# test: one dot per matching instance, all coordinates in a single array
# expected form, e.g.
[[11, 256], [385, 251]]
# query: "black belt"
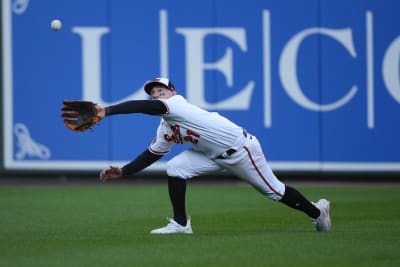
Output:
[[230, 151]]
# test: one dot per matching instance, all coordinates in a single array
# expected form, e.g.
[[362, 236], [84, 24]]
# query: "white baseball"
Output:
[[56, 24]]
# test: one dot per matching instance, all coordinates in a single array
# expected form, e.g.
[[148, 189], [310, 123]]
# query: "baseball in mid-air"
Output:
[[56, 24]]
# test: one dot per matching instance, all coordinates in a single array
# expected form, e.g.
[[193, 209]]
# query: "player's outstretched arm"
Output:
[[150, 107]]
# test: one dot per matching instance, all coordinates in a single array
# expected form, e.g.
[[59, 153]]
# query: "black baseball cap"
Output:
[[160, 82]]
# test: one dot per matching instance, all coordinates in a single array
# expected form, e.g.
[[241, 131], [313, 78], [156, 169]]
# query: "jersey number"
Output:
[[176, 137]]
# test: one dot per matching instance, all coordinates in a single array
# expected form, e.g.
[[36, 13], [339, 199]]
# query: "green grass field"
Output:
[[109, 224]]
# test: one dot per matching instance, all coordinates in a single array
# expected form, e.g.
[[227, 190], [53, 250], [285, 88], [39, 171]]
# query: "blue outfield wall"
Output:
[[316, 80]]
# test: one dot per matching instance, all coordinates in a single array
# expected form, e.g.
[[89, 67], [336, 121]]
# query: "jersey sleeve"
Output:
[[176, 106], [159, 145]]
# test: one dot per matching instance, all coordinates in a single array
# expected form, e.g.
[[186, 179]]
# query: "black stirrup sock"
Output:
[[177, 193], [296, 200]]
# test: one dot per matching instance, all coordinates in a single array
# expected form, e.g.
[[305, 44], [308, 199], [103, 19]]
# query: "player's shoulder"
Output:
[[178, 106], [177, 98]]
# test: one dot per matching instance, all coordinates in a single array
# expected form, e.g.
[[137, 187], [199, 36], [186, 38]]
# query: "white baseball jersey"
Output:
[[207, 132]]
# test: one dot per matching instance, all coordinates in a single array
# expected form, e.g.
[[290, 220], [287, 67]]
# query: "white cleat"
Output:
[[323, 222], [174, 228]]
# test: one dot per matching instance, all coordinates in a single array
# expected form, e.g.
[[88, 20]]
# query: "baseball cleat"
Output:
[[174, 228], [323, 222]]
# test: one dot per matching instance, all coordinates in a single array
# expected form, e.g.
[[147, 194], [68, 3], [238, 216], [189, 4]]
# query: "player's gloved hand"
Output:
[[81, 115], [110, 173]]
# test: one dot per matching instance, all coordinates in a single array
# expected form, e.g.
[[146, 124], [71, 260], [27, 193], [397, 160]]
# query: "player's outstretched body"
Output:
[[217, 144]]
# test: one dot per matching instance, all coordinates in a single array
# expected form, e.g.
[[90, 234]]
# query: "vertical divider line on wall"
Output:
[[164, 43], [7, 82], [1, 90], [267, 69], [370, 69], [319, 84], [109, 82], [214, 24]]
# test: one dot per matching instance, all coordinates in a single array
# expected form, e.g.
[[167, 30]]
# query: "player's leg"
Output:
[[251, 165], [184, 166]]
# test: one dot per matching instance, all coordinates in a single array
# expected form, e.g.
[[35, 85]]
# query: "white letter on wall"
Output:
[[288, 73], [91, 65], [195, 67]]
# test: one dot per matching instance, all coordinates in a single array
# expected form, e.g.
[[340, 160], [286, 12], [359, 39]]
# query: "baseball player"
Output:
[[216, 144]]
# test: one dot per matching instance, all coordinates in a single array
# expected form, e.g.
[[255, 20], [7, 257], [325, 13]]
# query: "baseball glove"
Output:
[[79, 115]]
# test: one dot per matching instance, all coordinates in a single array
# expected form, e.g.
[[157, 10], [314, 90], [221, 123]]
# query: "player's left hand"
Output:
[[110, 173], [80, 115]]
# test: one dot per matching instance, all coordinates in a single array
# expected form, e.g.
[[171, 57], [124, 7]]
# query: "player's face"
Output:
[[160, 92]]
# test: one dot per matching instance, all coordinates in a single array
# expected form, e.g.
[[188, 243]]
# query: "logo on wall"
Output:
[[27, 147]]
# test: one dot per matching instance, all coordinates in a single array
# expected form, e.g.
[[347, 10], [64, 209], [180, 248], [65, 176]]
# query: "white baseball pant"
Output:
[[247, 163]]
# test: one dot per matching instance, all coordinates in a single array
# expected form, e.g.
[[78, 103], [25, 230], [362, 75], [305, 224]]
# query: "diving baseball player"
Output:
[[216, 144]]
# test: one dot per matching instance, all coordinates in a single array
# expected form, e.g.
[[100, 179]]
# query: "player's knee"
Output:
[[275, 193], [177, 169], [172, 172]]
